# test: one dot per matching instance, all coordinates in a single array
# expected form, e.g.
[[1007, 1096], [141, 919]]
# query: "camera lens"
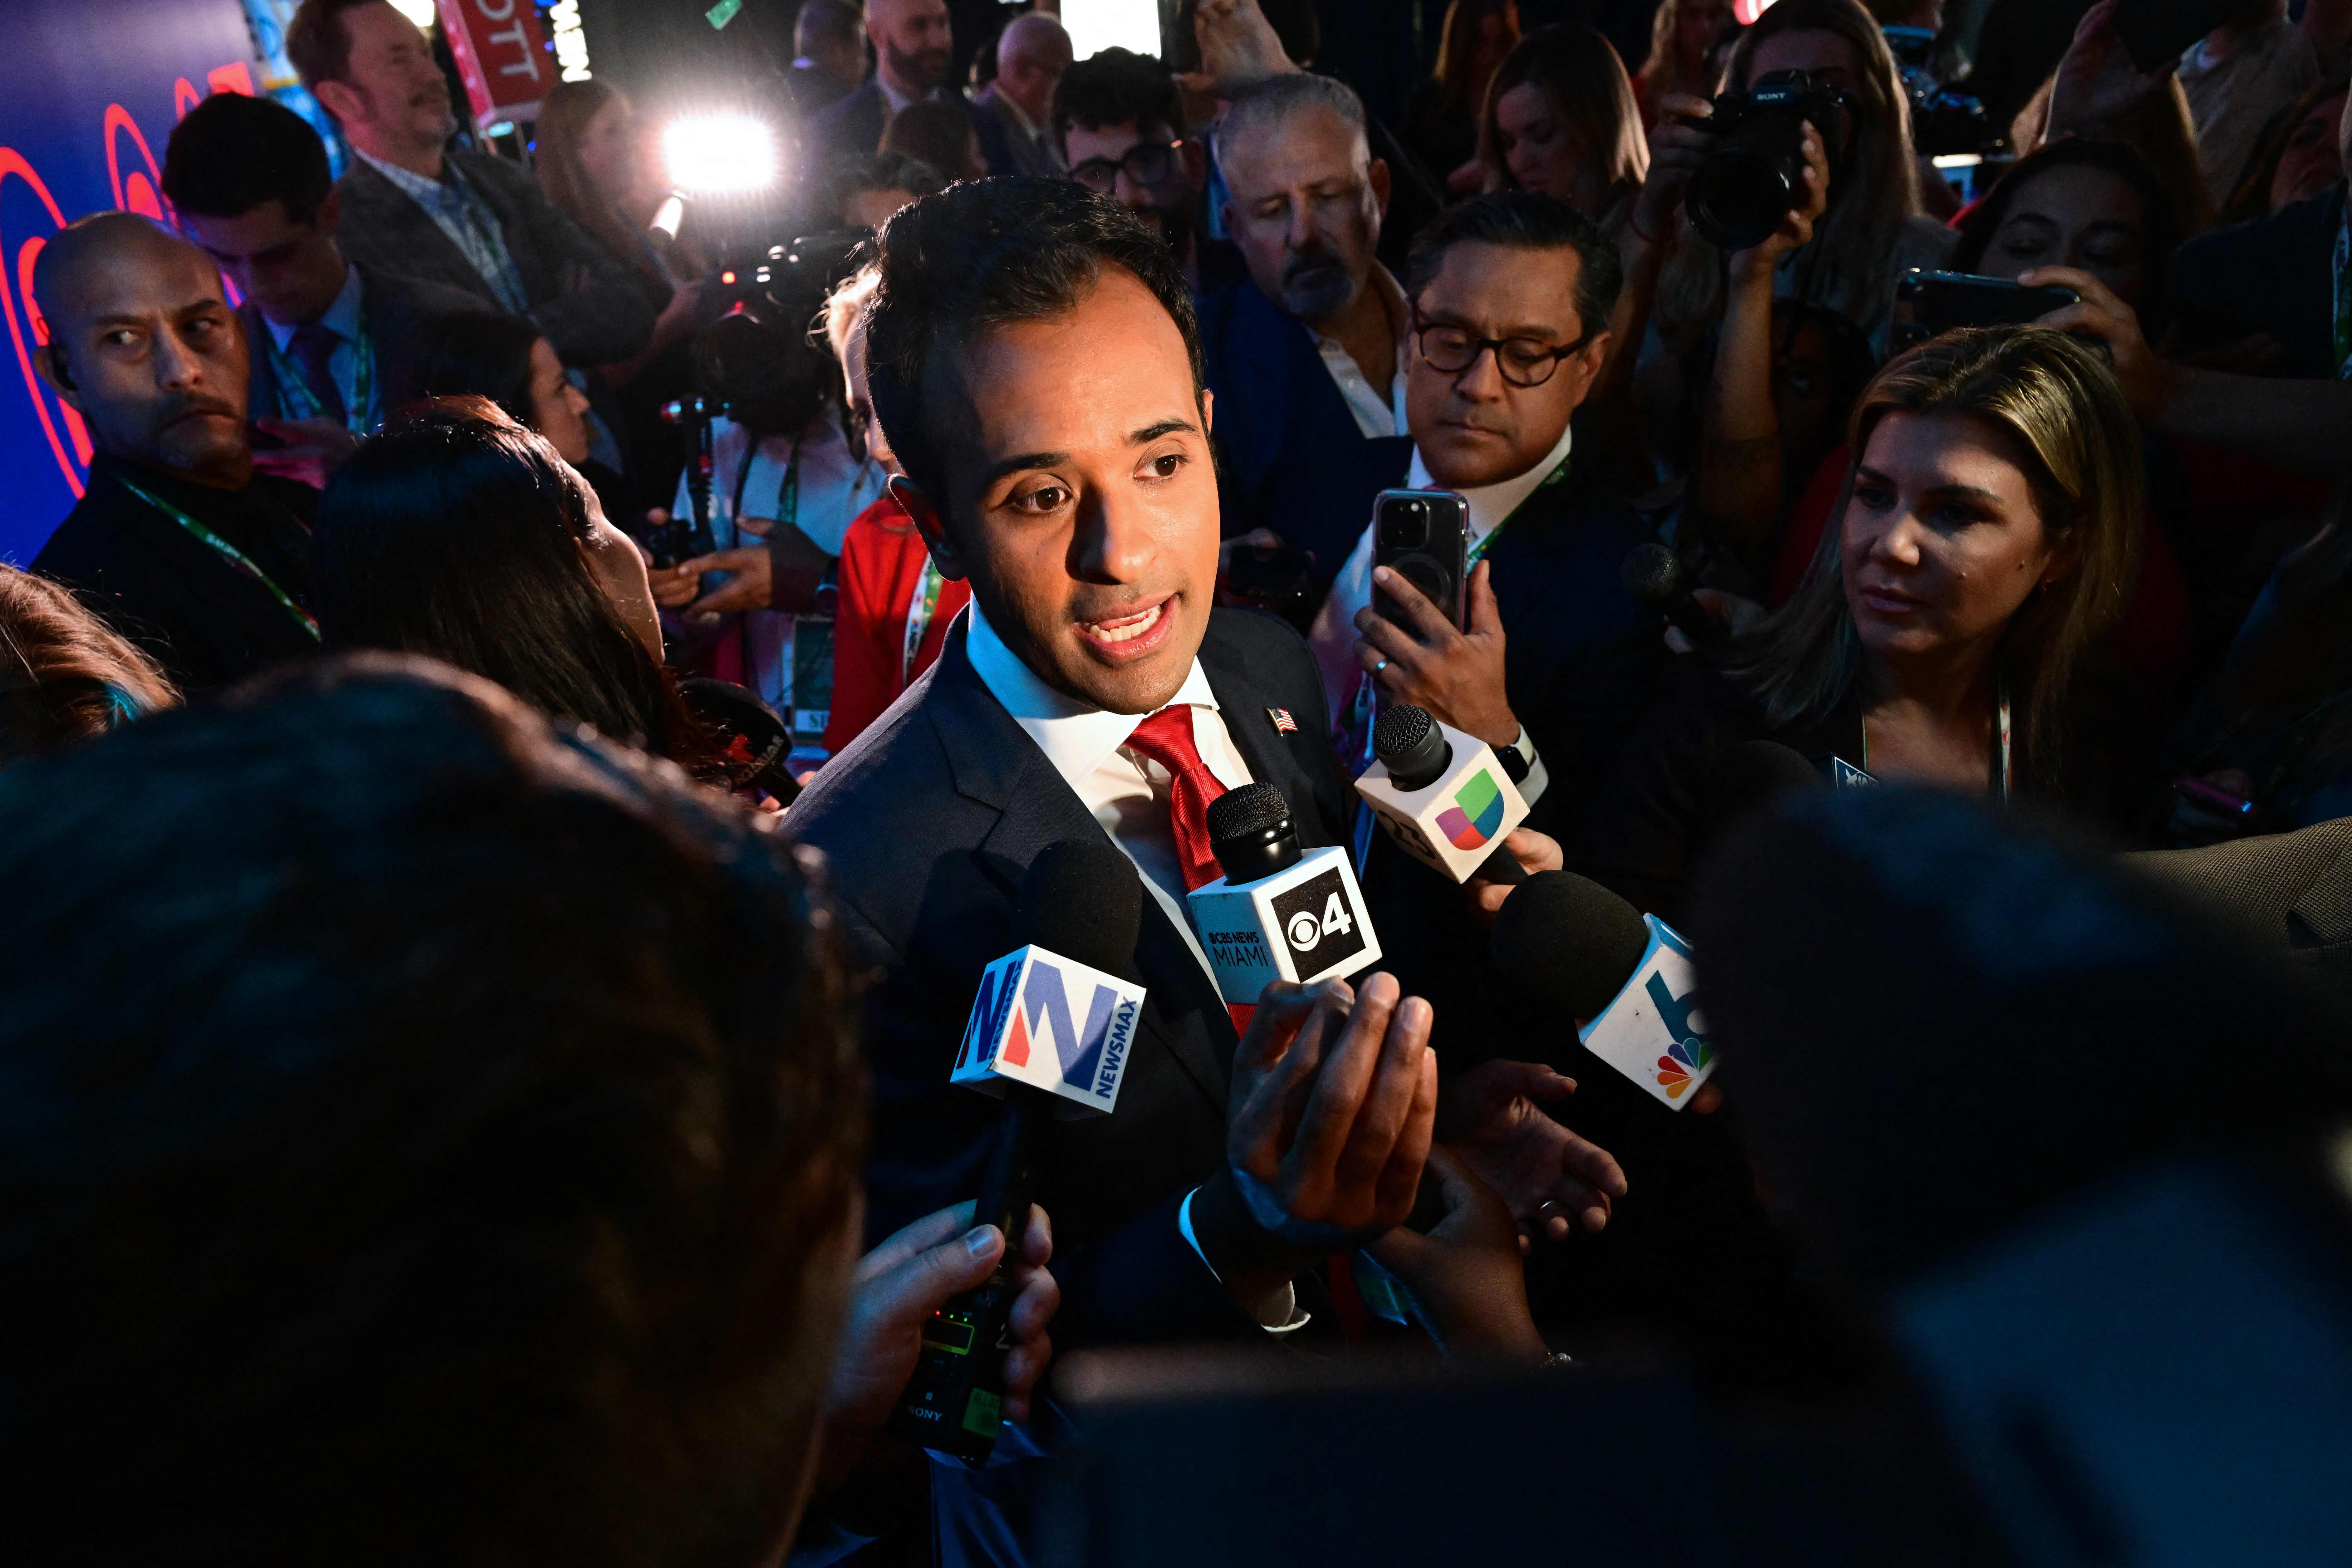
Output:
[[1738, 198], [1404, 524]]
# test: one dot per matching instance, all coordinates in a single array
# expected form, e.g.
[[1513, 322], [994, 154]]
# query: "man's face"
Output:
[[1083, 504], [1474, 427], [914, 40], [154, 362], [393, 92], [1029, 72], [291, 271], [1165, 203], [1304, 208]]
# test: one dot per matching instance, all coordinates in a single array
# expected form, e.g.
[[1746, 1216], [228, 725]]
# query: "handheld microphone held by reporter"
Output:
[[1053, 1023], [1655, 576], [1443, 795], [1279, 912], [1586, 954]]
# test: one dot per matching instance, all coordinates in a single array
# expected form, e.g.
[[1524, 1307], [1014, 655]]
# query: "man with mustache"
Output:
[[1305, 353], [914, 55], [177, 541], [465, 220]]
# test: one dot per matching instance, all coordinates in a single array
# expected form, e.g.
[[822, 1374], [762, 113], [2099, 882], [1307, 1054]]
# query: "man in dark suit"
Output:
[[1511, 293], [1015, 116], [828, 55], [465, 220], [333, 345], [914, 52], [177, 542], [1304, 352]]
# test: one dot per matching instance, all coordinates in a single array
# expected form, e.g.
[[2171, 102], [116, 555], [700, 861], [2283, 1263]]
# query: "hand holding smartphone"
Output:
[[1423, 536]]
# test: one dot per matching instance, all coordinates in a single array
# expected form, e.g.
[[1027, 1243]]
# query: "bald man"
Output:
[[1015, 115], [178, 541]]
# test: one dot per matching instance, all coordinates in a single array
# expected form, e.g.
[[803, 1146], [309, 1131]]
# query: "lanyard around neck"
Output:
[[925, 605], [788, 490], [294, 386], [1478, 549], [229, 553]]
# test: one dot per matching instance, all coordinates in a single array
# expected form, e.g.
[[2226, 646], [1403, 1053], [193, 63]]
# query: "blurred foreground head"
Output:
[[427, 1134]]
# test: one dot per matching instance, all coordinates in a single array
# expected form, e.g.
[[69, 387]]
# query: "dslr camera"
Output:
[[1945, 122], [1742, 189]]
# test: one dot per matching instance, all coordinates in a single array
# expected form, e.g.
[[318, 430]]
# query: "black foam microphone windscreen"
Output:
[[1082, 899], [737, 714], [1568, 942], [1652, 574]]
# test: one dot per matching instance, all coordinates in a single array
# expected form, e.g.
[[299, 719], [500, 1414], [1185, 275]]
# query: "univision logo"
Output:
[[1477, 812]]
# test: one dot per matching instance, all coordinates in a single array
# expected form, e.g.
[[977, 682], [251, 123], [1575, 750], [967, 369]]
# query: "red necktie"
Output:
[[1167, 739]]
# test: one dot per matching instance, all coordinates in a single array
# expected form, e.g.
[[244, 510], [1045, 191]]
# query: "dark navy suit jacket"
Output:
[[929, 821], [1289, 455]]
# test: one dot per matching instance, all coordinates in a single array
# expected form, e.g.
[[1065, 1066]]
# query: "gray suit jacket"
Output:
[[1007, 146], [582, 297], [2290, 893]]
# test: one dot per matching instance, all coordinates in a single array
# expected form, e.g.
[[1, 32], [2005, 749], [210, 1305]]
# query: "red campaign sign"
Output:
[[500, 57]]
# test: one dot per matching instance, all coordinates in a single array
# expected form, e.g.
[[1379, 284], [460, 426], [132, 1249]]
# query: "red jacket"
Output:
[[882, 560]]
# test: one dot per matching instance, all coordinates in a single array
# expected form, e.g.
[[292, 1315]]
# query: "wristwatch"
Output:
[[1514, 761]]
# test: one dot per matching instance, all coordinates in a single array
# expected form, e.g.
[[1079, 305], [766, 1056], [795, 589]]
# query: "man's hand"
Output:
[[2097, 79], [1334, 1097], [748, 589], [1467, 1286], [314, 450], [895, 1290], [2147, 379], [1759, 261], [1676, 149], [1545, 1174], [1456, 675], [1239, 48], [1533, 851]]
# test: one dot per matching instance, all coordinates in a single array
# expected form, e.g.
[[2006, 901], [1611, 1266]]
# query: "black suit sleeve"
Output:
[[593, 313]]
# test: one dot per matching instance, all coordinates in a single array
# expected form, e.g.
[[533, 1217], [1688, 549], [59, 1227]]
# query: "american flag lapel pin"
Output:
[[1282, 722]]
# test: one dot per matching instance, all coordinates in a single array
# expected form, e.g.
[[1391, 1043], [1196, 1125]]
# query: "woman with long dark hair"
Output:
[[459, 533], [1441, 118], [1988, 532]]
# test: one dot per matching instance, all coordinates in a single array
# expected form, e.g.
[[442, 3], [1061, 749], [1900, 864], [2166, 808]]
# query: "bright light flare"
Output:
[[718, 154], [417, 10]]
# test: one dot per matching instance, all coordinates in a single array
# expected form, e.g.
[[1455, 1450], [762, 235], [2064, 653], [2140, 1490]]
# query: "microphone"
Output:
[[1442, 796], [1584, 952], [1654, 575], [757, 745], [1278, 913], [1054, 1023]]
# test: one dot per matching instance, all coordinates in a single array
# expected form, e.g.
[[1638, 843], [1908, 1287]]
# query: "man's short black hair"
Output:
[[1117, 87], [233, 152], [317, 44], [424, 1132], [1524, 220], [987, 254], [833, 22]]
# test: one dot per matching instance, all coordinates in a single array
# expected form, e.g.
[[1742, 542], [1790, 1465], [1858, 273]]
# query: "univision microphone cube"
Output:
[[1439, 792], [1277, 913], [1046, 1021]]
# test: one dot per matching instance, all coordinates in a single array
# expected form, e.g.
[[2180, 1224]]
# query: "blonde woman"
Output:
[[1988, 532], [66, 675], [1560, 120]]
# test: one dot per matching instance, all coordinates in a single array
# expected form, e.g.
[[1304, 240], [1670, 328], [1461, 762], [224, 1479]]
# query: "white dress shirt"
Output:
[[1334, 635], [1378, 413], [1127, 793]]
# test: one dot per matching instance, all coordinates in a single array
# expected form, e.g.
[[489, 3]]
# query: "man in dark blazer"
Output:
[[1014, 115], [914, 51], [1305, 350], [333, 345], [466, 221], [177, 541]]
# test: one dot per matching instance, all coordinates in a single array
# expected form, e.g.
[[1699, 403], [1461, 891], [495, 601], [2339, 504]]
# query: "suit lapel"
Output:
[[1249, 720], [992, 761]]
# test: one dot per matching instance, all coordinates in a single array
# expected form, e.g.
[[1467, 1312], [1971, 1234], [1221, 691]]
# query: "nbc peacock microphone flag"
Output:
[[1050, 1032]]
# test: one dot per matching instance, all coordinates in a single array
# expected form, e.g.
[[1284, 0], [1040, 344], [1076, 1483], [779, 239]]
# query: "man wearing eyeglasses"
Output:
[[1119, 120]]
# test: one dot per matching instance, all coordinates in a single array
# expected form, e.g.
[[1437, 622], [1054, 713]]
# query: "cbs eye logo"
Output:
[[1314, 919]]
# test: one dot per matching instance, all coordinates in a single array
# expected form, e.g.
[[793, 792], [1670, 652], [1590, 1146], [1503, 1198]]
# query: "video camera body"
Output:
[[1742, 189], [1945, 122]]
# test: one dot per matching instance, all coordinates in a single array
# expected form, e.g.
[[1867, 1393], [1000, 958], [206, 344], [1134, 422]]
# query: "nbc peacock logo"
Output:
[[1477, 812], [1684, 1061]]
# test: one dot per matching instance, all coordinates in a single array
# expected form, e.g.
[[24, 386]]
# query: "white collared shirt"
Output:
[[1334, 635], [1377, 412], [1127, 793]]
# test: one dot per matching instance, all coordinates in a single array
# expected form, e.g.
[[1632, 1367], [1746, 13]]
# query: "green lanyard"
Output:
[[294, 387], [919, 611], [1478, 550], [788, 493], [229, 553]]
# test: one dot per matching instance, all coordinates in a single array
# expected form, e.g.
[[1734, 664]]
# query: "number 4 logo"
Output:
[[1335, 917]]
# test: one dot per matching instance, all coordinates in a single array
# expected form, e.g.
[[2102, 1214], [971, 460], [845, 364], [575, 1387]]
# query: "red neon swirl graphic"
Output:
[[143, 196], [12, 163]]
